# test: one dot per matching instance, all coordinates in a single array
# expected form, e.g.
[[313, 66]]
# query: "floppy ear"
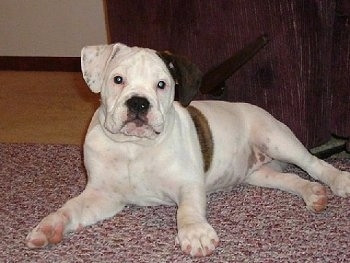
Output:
[[187, 76], [94, 60]]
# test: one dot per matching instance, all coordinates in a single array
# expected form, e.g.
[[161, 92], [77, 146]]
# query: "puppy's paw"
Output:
[[49, 231], [198, 239], [315, 197], [341, 184]]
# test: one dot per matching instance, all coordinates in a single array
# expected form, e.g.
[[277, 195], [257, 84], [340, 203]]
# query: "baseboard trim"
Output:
[[66, 64]]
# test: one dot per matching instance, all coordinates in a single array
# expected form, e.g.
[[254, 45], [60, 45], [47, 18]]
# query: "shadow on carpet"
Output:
[[254, 224]]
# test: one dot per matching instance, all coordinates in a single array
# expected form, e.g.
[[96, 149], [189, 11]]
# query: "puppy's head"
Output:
[[137, 87]]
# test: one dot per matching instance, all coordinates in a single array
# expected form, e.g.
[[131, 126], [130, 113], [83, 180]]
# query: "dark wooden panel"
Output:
[[67, 64], [340, 78]]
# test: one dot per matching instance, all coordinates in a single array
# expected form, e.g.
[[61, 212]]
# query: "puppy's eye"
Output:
[[118, 80], [161, 84]]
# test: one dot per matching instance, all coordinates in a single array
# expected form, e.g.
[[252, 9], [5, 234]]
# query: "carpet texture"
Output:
[[254, 224]]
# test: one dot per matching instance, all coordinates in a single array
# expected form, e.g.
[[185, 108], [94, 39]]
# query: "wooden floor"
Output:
[[44, 107]]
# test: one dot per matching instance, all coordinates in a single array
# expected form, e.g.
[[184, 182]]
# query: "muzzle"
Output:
[[137, 110]]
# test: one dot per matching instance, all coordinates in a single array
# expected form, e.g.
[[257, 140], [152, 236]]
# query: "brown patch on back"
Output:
[[204, 135]]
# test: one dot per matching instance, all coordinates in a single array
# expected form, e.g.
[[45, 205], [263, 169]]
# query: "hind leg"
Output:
[[278, 142], [313, 194]]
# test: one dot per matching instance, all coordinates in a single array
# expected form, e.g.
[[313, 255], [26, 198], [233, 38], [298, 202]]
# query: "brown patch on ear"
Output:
[[204, 135], [187, 76]]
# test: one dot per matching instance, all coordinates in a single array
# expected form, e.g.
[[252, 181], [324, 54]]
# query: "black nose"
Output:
[[138, 105]]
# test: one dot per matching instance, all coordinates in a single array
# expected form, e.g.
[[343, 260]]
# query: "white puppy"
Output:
[[144, 148]]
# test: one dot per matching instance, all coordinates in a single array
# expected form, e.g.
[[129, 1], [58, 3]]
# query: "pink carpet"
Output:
[[254, 224]]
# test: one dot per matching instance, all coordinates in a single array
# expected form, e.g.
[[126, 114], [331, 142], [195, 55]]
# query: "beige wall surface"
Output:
[[50, 27]]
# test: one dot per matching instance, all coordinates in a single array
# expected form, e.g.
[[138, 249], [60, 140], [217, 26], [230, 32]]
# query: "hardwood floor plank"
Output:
[[44, 107]]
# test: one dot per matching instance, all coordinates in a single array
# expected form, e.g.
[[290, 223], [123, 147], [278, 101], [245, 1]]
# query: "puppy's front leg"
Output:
[[90, 206], [195, 235]]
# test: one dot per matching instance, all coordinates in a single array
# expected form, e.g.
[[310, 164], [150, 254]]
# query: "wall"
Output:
[[54, 28]]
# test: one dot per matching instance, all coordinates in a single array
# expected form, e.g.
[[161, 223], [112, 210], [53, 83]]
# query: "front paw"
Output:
[[341, 184], [49, 231], [197, 239]]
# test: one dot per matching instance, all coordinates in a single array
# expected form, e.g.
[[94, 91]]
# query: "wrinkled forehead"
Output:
[[137, 59]]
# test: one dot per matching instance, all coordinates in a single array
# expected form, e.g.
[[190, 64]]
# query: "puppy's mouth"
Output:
[[137, 119], [139, 126], [139, 129]]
